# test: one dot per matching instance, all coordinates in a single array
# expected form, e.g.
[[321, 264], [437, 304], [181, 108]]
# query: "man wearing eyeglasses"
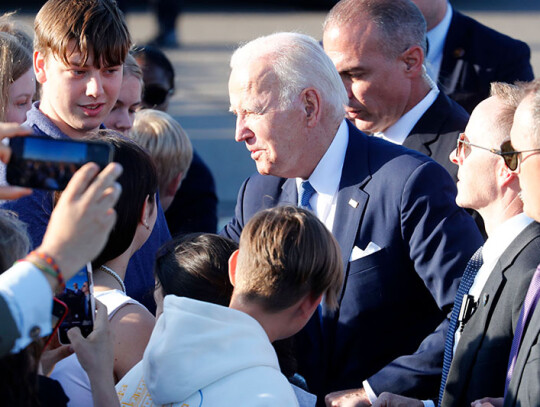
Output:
[[477, 354], [522, 379]]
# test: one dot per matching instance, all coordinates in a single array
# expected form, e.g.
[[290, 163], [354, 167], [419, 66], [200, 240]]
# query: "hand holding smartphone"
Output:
[[46, 163]]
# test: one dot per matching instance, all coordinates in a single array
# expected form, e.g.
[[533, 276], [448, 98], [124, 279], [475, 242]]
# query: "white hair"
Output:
[[299, 62]]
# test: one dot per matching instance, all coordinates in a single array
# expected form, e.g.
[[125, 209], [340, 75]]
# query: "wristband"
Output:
[[47, 265]]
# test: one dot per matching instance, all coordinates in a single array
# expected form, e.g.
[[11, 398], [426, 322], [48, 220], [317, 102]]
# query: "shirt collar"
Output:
[[503, 236], [327, 174], [437, 35], [398, 132]]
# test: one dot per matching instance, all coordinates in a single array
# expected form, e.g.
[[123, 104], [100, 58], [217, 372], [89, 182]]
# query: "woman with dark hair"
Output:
[[131, 323]]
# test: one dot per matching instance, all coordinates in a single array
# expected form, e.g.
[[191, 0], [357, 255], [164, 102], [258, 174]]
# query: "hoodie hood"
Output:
[[195, 344]]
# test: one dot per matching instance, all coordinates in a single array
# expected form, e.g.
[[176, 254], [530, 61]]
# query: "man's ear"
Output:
[[39, 67], [232, 267], [311, 101], [506, 176], [308, 305], [413, 58]]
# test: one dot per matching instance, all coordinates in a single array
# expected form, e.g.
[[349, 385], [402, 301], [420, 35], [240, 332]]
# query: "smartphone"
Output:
[[59, 312], [46, 163], [79, 298]]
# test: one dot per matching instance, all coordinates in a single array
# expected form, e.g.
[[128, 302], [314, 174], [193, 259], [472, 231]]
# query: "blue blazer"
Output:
[[391, 324]]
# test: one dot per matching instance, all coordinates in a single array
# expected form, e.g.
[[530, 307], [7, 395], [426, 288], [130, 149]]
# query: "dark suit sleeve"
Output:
[[8, 329], [234, 228], [434, 228]]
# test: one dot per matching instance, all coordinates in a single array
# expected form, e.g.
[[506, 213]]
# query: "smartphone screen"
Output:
[[46, 163], [78, 296]]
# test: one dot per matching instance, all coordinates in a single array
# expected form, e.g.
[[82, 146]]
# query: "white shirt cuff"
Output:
[[369, 391], [29, 298], [428, 403]]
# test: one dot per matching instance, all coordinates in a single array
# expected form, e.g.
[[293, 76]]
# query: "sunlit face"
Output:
[[20, 94], [529, 167], [76, 98], [376, 85], [477, 174], [129, 102], [273, 135]]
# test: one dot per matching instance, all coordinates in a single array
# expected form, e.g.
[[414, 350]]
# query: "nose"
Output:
[[348, 87], [123, 122], [242, 132], [94, 87]]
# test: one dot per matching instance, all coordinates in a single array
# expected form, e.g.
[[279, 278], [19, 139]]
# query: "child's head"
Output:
[[169, 146], [195, 266], [17, 81], [136, 208], [285, 254], [158, 74], [129, 99], [80, 46]]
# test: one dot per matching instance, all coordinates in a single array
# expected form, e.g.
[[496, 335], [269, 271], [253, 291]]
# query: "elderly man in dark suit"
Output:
[[378, 47], [478, 348], [465, 56], [403, 239]]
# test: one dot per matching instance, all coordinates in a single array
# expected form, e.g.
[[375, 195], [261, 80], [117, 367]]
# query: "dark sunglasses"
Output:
[[155, 95], [513, 157], [506, 151]]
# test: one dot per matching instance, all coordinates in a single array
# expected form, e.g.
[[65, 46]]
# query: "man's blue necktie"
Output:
[[305, 193], [467, 280]]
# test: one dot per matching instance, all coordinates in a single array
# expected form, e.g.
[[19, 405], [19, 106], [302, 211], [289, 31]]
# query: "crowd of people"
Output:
[[386, 252]]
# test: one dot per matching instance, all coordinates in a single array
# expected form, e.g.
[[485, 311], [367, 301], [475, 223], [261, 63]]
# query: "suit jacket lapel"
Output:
[[351, 199], [472, 339], [529, 338], [426, 131], [452, 62]]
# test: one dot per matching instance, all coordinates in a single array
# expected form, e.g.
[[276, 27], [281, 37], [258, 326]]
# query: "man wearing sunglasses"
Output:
[[522, 379], [477, 355]]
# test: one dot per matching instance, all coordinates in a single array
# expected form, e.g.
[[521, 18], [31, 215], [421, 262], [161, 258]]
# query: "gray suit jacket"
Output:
[[480, 362], [524, 388]]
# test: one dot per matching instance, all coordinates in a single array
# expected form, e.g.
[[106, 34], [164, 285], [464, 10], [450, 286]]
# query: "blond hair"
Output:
[[166, 141], [93, 27], [286, 253]]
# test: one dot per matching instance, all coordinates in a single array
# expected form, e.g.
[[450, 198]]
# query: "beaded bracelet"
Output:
[[47, 265]]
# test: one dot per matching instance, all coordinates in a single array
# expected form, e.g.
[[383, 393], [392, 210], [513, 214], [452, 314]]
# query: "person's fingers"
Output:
[[80, 181], [13, 192], [75, 337], [13, 130], [105, 179]]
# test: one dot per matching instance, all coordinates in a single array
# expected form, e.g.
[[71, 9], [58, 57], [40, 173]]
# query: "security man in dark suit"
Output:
[[482, 341], [361, 37], [465, 56]]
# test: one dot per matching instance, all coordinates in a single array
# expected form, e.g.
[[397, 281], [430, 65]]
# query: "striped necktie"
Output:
[[467, 280]]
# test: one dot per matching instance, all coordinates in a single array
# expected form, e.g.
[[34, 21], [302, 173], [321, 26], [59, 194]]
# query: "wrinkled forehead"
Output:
[[255, 80]]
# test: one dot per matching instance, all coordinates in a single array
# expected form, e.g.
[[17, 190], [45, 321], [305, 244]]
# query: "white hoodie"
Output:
[[201, 354]]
